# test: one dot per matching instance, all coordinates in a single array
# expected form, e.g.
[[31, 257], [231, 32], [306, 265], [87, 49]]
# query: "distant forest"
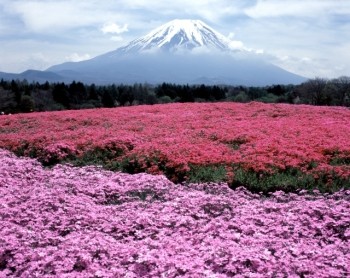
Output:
[[22, 97]]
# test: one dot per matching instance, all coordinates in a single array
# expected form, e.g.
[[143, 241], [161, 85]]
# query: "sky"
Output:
[[306, 37]]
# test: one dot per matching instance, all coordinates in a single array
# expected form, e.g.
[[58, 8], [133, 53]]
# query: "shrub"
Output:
[[209, 173], [290, 180]]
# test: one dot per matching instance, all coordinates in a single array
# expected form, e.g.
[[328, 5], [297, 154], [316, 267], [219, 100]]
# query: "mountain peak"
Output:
[[177, 52], [179, 33]]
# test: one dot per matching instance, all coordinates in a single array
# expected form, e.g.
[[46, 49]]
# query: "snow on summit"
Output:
[[180, 33], [182, 52]]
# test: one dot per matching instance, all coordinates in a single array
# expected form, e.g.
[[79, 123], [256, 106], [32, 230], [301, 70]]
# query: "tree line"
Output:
[[21, 96]]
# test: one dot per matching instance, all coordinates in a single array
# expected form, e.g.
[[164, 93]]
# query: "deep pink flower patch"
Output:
[[87, 222], [258, 137]]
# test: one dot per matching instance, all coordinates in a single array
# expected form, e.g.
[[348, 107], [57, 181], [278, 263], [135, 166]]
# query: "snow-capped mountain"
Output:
[[180, 51], [180, 33]]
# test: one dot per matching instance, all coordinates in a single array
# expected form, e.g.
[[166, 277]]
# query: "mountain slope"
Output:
[[188, 34], [180, 51], [34, 76]]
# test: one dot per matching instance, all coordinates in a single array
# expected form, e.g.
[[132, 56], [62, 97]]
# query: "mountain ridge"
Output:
[[180, 51], [179, 32]]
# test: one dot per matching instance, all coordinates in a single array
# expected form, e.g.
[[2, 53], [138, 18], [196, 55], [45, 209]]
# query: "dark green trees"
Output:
[[20, 96]]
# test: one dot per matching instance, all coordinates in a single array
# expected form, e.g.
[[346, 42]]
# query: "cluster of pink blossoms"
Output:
[[87, 222], [255, 136]]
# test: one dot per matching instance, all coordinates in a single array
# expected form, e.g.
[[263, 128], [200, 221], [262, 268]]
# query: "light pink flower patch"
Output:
[[86, 222]]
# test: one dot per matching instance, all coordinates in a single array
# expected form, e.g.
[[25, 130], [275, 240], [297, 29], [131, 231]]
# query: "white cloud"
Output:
[[305, 8], [237, 45], [57, 16], [23, 60], [197, 50], [318, 30], [75, 57], [231, 35], [45, 16], [113, 28], [117, 38], [40, 17], [311, 67]]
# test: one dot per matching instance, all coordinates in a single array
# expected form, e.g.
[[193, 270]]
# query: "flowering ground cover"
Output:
[[265, 147], [88, 222]]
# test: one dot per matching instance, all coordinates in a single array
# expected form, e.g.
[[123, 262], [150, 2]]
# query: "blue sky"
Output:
[[308, 37]]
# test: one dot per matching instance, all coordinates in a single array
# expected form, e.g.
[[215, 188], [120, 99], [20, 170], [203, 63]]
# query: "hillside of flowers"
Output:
[[88, 222], [265, 146]]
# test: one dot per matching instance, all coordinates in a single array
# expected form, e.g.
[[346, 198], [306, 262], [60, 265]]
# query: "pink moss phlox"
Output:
[[259, 137], [87, 222]]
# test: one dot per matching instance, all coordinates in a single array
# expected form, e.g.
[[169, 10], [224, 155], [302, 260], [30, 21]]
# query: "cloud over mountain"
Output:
[[180, 51]]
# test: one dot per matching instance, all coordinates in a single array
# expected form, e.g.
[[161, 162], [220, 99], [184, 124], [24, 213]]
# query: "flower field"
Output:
[[265, 147], [88, 222]]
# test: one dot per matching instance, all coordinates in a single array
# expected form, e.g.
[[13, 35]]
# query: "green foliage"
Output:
[[107, 158], [211, 173], [320, 91], [336, 157], [25, 149], [269, 98], [340, 161], [27, 104], [107, 100], [290, 180], [131, 165], [165, 99], [60, 96], [241, 97]]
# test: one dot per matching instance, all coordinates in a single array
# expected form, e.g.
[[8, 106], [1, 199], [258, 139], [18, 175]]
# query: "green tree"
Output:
[[342, 90], [17, 92], [313, 91], [93, 92], [60, 94], [77, 93], [107, 99], [27, 104]]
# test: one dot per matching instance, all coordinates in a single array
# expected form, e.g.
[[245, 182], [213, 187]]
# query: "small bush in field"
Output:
[[290, 180], [211, 173]]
